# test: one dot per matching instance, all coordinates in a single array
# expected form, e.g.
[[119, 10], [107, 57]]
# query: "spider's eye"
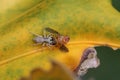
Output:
[[53, 42], [52, 39]]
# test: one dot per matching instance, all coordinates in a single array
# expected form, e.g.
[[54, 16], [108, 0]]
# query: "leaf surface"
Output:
[[86, 22]]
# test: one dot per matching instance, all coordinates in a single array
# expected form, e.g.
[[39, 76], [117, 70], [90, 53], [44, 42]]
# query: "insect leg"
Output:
[[49, 35], [35, 34], [44, 44], [44, 34], [49, 46]]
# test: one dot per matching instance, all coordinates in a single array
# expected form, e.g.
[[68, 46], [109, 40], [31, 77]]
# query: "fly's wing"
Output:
[[63, 48], [52, 31]]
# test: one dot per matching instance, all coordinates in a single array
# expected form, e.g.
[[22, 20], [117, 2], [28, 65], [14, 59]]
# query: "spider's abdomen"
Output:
[[38, 39]]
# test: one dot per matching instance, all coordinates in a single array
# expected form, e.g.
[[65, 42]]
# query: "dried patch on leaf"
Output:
[[89, 60]]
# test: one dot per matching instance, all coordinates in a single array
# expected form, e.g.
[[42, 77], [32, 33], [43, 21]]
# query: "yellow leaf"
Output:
[[87, 23], [57, 72]]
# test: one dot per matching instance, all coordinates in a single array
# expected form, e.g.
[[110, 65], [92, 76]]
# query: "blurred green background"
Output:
[[116, 4], [109, 68]]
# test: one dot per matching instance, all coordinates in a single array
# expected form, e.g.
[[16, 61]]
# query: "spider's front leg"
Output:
[[50, 35], [44, 34]]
